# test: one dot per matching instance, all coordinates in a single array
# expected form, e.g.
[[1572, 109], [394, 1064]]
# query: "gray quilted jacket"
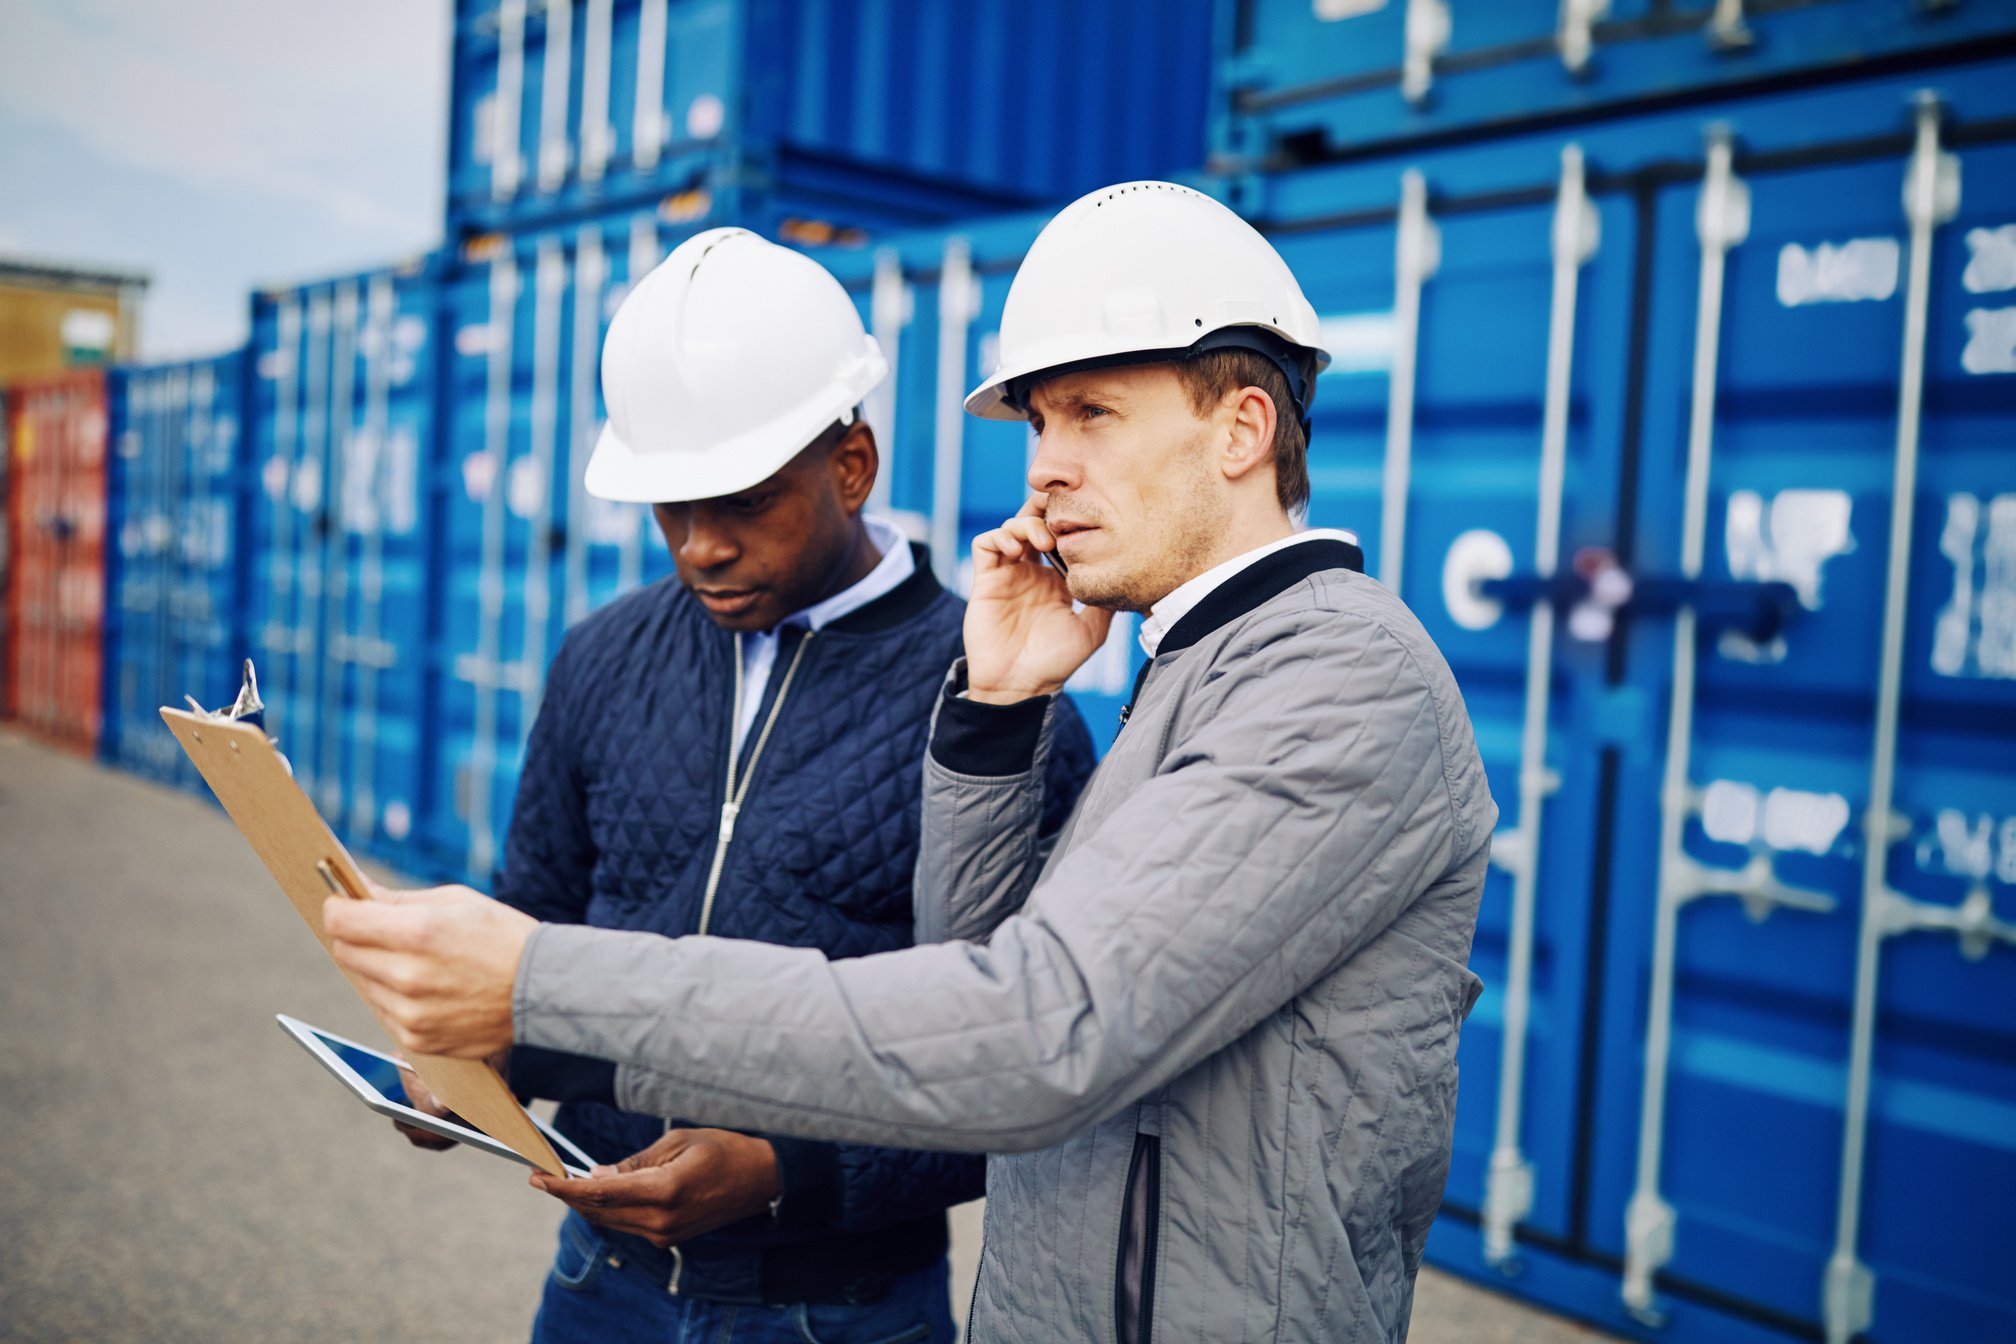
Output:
[[1230, 997]]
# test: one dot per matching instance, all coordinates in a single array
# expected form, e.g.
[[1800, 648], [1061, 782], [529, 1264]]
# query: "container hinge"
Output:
[[1508, 1198], [1426, 37], [1848, 1296], [1726, 29], [1932, 182], [1576, 35], [1722, 220]]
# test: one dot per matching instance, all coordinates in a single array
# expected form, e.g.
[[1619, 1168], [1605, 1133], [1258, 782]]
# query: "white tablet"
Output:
[[374, 1077]]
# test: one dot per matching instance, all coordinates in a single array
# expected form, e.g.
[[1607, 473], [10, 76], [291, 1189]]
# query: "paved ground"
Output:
[[178, 1170]]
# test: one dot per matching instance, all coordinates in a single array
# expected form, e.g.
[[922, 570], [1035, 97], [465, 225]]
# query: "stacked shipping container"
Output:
[[56, 556], [175, 576]]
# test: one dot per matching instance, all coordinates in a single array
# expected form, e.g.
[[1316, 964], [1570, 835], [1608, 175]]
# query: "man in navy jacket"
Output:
[[737, 751]]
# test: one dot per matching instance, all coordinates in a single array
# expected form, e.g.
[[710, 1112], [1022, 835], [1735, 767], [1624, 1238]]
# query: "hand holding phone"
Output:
[[1024, 634]]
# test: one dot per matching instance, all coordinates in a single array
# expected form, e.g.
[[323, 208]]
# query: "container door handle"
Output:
[[1722, 221], [1508, 1196], [1417, 253], [1931, 198]]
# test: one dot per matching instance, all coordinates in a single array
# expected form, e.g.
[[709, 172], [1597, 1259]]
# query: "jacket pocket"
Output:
[[1140, 1217]]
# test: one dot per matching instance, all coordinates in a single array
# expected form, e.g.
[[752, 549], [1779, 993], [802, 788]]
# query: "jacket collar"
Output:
[[906, 600], [1261, 581]]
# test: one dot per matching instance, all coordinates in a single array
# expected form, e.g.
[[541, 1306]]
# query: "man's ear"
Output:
[[854, 462], [1249, 442]]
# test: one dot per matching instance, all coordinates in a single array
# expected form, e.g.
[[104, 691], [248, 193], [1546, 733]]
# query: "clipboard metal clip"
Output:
[[247, 704]]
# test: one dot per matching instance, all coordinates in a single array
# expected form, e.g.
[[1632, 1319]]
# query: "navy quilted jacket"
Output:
[[617, 817]]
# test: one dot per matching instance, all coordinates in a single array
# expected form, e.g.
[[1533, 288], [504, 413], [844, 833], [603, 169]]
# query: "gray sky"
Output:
[[221, 144]]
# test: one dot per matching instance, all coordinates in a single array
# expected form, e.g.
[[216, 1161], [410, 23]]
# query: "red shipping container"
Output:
[[56, 556]]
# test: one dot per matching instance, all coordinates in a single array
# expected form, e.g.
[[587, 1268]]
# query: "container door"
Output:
[[1749, 1170], [58, 525], [1467, 431], [374, 560], [295, 336]]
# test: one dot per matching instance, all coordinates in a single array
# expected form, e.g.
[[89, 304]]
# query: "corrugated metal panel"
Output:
[[926, 110], [1713, 1194], [56, 565], [523, 552], [1303, 81], [343, 413], [175, 625]]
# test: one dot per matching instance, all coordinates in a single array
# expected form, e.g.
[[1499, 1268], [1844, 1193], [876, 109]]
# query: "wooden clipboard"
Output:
[[258, 791]]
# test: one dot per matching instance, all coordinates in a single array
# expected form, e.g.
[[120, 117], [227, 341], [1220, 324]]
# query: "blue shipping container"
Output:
[[924, 110], [1307, 81], [175, 568], [1507, 420], [1740, 1072], [342, 410], [522, 552]]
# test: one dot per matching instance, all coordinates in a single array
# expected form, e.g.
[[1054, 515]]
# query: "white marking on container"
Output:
[[1473, 557], [1991, 265], [1857, 271], [1975, 633], [1973, 845], [1991, 341]]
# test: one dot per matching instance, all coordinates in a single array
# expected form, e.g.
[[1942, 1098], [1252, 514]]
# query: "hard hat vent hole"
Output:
[[1200, 321]]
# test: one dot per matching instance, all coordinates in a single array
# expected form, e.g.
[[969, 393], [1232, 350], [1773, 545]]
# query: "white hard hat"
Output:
[[722, 365], [1141, 272]]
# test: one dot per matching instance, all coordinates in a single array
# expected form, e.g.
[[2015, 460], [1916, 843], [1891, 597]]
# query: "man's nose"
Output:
[[1053, 468], [707, 545]]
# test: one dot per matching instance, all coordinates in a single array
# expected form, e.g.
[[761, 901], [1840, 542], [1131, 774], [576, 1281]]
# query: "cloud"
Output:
[[313, 103]]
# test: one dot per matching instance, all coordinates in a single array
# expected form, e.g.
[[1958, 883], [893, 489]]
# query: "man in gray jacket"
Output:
[[1211, 1037]]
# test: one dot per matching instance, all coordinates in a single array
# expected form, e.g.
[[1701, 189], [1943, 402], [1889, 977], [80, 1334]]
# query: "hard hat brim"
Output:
[[617, 472]]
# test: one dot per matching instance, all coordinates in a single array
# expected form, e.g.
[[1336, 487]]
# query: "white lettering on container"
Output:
[[1991, 341], [1975, 634], [1991, 263], [1785, 820], [1972, 845], [1859, 270]]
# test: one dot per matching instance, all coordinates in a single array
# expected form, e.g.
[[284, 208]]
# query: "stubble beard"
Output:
[[1176, 543]]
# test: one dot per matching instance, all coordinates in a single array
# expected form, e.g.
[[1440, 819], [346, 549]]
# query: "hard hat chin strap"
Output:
[[1297, 365]]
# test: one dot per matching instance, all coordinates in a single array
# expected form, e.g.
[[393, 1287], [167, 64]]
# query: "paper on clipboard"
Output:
[[258, 791]]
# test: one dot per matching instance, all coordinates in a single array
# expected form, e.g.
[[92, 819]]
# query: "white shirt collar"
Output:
[[896, 565], [1163, 616]]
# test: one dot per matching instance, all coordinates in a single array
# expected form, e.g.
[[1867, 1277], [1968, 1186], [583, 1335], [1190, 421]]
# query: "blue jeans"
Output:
[[592, 1301]]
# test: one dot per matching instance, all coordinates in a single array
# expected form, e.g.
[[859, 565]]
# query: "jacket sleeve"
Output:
[[1307, 801], [1000, 783]]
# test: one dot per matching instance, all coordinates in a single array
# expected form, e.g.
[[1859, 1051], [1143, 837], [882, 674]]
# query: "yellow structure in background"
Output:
[[55, 317]]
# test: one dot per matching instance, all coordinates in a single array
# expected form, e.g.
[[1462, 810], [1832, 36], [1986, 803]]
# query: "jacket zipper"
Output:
[[733, 796], [1146, 1165], [731, 807]]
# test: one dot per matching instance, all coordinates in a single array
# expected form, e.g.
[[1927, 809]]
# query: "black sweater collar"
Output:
[[906, 600], [1264, 579]]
